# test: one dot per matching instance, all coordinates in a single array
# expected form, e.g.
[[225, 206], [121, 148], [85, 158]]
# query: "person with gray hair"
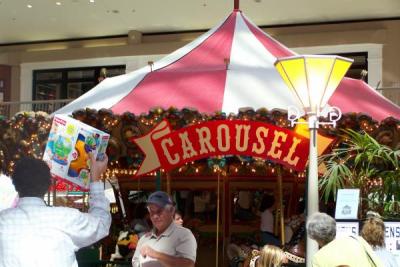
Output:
[[351, 251], [322, 228], [168, 244]]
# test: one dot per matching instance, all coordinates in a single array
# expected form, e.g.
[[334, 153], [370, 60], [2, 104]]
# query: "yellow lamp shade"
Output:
[[313, 78]]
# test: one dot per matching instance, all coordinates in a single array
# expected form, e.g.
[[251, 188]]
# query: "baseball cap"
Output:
[[160, 198]]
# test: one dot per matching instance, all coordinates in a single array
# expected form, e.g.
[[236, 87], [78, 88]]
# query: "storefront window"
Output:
[[76, 89], [70, 83], [360, 63], [49, 75], [48, 91], [81, 74]]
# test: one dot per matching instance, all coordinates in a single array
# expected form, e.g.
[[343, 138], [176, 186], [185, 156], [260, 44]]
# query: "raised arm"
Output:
[[88, 228]]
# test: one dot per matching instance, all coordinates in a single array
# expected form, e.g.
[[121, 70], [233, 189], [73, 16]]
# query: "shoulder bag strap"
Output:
[[366, 251]]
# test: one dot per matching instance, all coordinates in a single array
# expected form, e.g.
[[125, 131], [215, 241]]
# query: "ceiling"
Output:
[[43, 20]]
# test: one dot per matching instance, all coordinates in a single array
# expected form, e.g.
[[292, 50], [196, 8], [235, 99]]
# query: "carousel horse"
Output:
[[238, 255], [295, 248]]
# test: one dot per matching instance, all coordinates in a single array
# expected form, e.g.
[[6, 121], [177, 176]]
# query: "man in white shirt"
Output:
[[168, 244], [35, 235]]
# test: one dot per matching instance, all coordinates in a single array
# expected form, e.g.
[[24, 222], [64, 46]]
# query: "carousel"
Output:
[[205, 108]]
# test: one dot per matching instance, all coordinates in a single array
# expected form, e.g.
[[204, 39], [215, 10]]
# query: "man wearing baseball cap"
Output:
[[168, 244]]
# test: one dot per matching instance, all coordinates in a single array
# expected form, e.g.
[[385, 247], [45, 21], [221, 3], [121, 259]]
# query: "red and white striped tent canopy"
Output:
[[197, 76]]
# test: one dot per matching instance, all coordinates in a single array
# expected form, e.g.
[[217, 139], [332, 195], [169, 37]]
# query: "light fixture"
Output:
[[91, 1], [313, 79], [58, 3], [29, 6]]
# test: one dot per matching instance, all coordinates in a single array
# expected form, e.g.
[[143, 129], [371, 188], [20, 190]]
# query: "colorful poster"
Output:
[[68, 146], [8, 195]]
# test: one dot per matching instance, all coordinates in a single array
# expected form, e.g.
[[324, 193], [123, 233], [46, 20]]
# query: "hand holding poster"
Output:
[[68, 146]]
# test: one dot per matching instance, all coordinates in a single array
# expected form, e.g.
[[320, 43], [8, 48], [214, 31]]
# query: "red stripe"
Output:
[[357, 96], [196, 80], [273, 46]]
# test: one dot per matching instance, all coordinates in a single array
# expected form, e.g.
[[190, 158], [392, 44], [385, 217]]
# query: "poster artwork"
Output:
[[347, 203], [68, 146]]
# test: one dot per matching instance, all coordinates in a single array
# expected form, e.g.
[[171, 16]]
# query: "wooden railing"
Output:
[[8, 109]]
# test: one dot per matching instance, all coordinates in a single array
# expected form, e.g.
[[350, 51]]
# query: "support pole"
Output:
[[312, 184], [218, 212], [54, 192], [168, 174], [281, 208], [158, 180], [225, 200], [48, 196], [138, 184], [236, 5]]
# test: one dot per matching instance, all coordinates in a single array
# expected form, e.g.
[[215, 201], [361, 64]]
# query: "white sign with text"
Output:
[[347, 203], [346, 229], [392, 238]]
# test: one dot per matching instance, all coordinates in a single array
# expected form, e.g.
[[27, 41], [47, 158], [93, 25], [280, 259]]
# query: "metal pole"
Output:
[[312, 184], [236, 5], [281, 209], [158, 180], [218, 211], [168, 174], [224, 213], [54, 192]]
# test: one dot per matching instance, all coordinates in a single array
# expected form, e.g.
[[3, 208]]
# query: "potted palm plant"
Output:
[[362, 162]]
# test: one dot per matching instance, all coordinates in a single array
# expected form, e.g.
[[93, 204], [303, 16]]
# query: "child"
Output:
[[270, 256]]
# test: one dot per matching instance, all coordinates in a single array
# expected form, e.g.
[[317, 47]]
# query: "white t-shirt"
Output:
[[267, 221]]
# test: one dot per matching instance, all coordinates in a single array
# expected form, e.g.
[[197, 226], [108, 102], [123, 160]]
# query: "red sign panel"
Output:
[[166, 149]]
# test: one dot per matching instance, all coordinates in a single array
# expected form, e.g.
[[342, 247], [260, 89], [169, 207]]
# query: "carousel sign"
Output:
[[169, 149]]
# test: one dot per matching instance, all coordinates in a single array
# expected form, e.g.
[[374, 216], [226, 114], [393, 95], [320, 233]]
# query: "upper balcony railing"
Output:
[[8, 109]]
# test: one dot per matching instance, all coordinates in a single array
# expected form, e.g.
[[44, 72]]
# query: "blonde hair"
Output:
[[271, 256], [373, 232]]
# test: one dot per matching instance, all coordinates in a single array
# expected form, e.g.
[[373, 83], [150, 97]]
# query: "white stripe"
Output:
[[252, 80], [112, 90]]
